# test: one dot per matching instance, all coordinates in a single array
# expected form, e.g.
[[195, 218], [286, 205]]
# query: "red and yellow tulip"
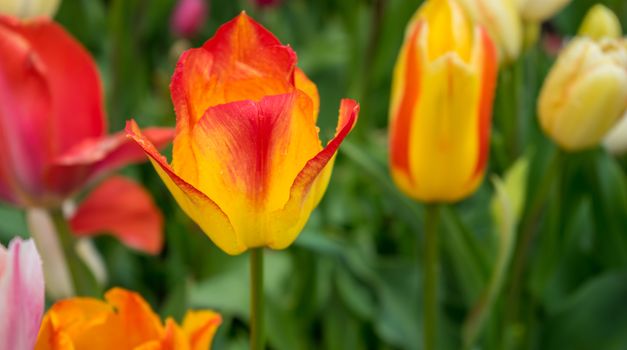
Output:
[[248, 165], [124, 321], [441, 104]]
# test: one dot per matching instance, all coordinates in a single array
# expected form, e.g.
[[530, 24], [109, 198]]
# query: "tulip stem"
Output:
[[430, 273], [527, 231], [83, 281], [257, 339]]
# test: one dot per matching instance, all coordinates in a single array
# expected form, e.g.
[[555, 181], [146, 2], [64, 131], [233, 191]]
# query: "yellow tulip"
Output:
[[501, 19], [540, 10], [600, 22], [248, 165], [124, 321], [29, 8], [441, 104], [585, 92]]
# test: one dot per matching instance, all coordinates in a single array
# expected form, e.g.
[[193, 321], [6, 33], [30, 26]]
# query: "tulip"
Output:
[[21, 295], [501, 19], [540, 10], [600, 22], [441, 105], [188, 17], [248, 165], [616, 140], [124, 321], [29, 8], [53, 138], [585, 93]]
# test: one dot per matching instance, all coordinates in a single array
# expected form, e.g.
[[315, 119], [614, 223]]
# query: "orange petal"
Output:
[[200, 327], [123, 208], [307, 86], [311, 182], [202, 209], [243, 60]]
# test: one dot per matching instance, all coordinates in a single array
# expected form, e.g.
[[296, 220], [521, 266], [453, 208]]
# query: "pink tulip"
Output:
[[21, 295], [53, 139], [188, 17]]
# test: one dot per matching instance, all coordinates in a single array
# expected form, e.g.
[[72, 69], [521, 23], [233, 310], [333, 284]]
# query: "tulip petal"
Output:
[[489, 67], [242, 61], [311, 182], [304, 84], [249, 153], [444, 138], [21, 295], [93, 158], [204, 211], [124, 321], [67, 66], [25, 104], [200, 327], [125, 209], [405, 97]]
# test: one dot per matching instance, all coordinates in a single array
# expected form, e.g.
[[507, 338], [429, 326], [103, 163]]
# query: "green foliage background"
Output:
[[352, 279]]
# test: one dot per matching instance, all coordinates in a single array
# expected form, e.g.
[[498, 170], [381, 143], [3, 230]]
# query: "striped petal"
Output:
[[311, 182], [243, 61], [202, 209]]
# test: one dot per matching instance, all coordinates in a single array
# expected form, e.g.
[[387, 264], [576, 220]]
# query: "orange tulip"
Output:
[[124, 321], [441, 104], [248, 165]]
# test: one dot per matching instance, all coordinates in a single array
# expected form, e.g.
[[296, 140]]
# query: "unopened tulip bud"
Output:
[[501, 19], [29, 8], [600, 22], [441, 104], [585, 93], [540, 10]]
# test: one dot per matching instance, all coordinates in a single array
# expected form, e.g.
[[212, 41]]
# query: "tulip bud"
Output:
[[188, 17], [540, 10], [616, 139], [29, 8], [600, 22], [441, 104], [585, 93], [500, 18]]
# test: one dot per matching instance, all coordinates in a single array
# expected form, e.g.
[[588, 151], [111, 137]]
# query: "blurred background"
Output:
[[352, 280]]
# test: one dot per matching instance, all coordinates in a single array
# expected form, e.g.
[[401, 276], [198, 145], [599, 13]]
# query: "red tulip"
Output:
[[53, 137]]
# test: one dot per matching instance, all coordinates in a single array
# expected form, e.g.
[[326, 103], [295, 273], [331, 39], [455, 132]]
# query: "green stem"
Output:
[[430, 266], [83, 281], [527, 232], [257, 339]]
